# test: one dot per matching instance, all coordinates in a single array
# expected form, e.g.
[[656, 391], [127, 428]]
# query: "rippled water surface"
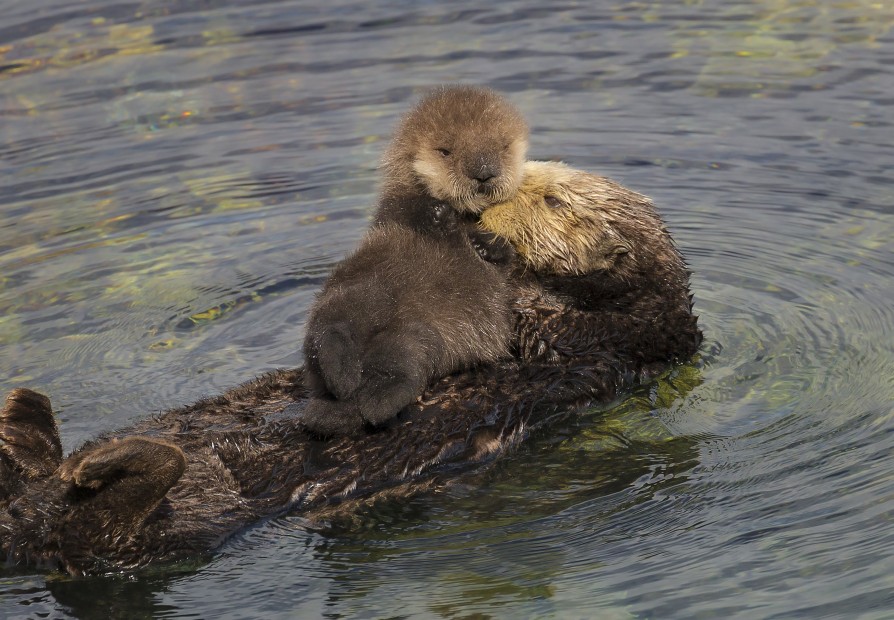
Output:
[[178, 177]]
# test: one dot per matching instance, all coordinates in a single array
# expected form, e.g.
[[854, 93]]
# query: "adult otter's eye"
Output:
[[443, 152], [553, 203]]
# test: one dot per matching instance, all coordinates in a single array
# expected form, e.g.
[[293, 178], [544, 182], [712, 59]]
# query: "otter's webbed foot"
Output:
[[114, 486], [332, 418], [491, 248], [29, 439], [137, 468]]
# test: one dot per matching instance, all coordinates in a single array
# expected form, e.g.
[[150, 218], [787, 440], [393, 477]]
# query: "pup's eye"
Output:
[[443, 152], [553, 203]]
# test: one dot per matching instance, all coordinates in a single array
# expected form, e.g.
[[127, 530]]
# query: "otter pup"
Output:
[[177, 485], [416, 301]]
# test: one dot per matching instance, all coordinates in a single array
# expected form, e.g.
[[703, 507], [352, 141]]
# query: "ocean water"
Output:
[[178, 178]]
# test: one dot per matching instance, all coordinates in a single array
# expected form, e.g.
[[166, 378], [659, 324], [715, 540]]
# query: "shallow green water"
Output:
[[178, 177]]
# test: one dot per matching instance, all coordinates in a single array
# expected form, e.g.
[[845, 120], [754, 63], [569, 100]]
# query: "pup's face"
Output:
[[563, 221], [466, 144], [471, 169]]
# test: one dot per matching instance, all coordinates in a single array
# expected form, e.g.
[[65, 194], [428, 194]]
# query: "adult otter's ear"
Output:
[[621, 248], [608, 254], [617, 251]]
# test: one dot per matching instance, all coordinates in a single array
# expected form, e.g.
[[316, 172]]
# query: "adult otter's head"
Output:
[[465, 144], [565, 222], [589, 244]]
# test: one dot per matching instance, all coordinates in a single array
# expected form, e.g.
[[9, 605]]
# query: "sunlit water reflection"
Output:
[[179, 177]]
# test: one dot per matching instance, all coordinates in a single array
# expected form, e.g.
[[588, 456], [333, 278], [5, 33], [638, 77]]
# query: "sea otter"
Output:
[[605, 249], [176, 486], [416, 301]]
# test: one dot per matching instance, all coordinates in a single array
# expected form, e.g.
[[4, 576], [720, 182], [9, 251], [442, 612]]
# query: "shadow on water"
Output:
[[503, 533], [179, 177], [113, 597]]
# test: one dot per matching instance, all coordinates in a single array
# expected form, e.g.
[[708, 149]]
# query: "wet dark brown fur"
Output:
[[178, 485], [416, 301]]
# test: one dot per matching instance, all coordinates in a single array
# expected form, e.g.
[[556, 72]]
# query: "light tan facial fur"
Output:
[[564, 221], [465, 144]]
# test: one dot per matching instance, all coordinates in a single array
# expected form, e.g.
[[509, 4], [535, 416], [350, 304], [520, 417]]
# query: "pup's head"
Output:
[[466, 144]]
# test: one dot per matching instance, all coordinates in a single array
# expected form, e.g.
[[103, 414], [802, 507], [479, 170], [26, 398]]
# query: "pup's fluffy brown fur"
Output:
[[416, 302]]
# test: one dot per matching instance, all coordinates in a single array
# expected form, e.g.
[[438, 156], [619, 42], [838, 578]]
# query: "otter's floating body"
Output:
[[178, 485]]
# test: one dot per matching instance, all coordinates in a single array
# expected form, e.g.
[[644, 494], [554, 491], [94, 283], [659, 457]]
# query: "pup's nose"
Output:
[[485, 174]]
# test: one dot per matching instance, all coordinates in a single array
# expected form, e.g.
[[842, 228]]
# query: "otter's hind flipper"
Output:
[[29, 439], [142, 466], [115, 486]]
